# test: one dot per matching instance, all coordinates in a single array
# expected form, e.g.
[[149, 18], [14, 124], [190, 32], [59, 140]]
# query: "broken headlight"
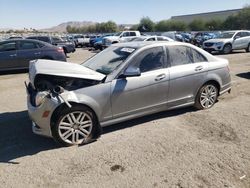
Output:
[[40, 97]]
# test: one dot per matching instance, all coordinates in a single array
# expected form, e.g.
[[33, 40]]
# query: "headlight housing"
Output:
[[40, 97]]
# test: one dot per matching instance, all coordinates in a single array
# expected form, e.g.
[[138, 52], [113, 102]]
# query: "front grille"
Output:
[[208, 44]]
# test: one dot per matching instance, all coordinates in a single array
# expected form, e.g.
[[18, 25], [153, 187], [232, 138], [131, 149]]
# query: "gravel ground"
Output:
[[181, 148]]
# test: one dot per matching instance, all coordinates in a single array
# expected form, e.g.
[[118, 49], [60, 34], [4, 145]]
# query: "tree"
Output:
[[146, 25], [170, 25], [197, 25], [213, 25]]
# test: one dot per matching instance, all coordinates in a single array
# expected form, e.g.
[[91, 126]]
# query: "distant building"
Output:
[[222, 15]]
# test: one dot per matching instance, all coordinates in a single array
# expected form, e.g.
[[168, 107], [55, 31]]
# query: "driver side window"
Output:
[[150, 59]]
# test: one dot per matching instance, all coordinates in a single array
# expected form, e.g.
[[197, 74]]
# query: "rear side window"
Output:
[[180, 55], [24, 45], [151, 39], [8, 46], [161, 39], [150, 59], [132, 34], [197, 56], [56, 39], [126, 34], [44, 39]]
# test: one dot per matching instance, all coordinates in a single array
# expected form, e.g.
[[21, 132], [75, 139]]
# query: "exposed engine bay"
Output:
[[44, 82]]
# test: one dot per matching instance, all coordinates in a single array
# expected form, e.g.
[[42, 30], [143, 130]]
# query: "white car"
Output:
[[124, 36], [152, 38], [228, 41]]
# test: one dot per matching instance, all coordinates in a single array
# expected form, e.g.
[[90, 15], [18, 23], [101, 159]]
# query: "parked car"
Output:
[[71, 102], [81, 40], [15, 37], [200, 37], [16, 53], [68, 47], [151, 38], [93, 39], [97, 43], [123, 36], [228, 41]]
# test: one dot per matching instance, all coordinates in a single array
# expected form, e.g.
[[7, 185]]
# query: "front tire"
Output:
[[248, 48], [206, 97], [227, 49], [74, 126]]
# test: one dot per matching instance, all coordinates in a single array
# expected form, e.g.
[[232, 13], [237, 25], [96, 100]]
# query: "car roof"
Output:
[[140, 44], [30, 40]]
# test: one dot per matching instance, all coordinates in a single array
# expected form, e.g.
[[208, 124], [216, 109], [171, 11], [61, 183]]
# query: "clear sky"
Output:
[[47, 13]]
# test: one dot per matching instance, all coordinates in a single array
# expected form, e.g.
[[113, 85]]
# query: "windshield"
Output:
[[118, 34], [226, 35], [108, 60]]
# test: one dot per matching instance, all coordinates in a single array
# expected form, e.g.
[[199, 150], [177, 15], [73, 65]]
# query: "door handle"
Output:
[[13, 55], [160, 77], [199, 68]]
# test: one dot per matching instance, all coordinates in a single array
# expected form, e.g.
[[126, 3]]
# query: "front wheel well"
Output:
[[57, 111]]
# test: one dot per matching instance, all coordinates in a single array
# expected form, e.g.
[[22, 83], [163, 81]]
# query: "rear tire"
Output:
[[74, 126], [206, 96]]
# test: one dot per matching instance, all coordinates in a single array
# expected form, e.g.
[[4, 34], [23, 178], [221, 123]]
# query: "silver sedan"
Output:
[[72, 102]]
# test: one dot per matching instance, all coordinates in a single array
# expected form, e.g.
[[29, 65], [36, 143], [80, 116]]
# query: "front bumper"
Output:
[[213, 47], [41, 115]]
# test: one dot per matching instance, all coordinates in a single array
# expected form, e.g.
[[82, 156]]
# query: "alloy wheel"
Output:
[[75, 127], [208, 96]]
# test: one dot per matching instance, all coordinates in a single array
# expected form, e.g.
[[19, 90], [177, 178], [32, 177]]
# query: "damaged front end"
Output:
[[49, 79], [49, 86], [52, 84]]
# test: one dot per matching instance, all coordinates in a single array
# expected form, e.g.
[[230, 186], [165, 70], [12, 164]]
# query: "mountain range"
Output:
[[62, 27]]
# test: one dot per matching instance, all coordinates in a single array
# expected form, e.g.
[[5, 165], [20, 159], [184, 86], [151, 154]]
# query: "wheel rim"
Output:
[[75, 127], [227, 49], [208, 96]]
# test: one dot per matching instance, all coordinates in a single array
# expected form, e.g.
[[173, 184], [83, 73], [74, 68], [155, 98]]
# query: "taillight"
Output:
[[60, 50]]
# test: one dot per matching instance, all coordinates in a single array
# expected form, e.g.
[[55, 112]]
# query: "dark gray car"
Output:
[[68, 47], [16, 54]]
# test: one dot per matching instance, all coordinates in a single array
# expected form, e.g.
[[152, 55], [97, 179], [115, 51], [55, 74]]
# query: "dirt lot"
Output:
[[182, 148]]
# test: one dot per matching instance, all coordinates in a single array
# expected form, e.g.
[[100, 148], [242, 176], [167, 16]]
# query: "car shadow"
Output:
[[233, 52], [13, 72], [17, 139], [148, 118], [245, 75]]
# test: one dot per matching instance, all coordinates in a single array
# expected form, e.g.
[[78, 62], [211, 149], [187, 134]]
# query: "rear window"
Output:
[[44, 39], [9, 46]]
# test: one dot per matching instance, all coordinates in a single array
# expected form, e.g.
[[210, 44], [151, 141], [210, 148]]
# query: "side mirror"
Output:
[[131, 72], [236, 37]]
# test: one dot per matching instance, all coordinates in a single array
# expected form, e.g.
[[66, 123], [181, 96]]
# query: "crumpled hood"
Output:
[[59, 68], [217, 40]]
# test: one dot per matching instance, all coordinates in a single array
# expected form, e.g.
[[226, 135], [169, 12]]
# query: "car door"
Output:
[[8, 55], [27, 51], [187, 73], [239, 41], [144, 93]]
